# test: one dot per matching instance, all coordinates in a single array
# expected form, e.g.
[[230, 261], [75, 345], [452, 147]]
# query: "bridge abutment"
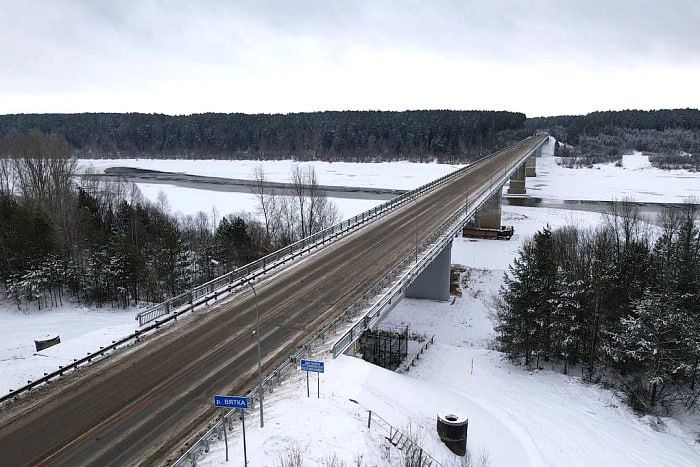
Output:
[[434, 282]]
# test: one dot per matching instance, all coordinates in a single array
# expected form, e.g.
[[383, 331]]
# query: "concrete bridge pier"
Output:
[[517, 182], [489, 216], [531, 166], [434, 282]]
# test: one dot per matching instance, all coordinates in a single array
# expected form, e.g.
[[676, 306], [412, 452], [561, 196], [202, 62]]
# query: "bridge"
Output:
[[140, 404]]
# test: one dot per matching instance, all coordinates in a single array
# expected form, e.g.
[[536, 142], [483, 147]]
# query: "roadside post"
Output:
[[233, 402], [316, 367]]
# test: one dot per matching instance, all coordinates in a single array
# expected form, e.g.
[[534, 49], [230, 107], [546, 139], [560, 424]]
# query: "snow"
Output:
[[604, 182], [487, 254], [521, 418], [81, 329], [191, 200], [396, 175], [518, 417]]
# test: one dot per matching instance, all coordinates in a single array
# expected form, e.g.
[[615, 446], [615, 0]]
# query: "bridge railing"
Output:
[[386, 301], [188, 300], [435, 243]]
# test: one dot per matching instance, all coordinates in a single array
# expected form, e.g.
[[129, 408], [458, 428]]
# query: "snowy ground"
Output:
[[604, 182], [192, 200], [520, 418], [396, 175], [80, 328]]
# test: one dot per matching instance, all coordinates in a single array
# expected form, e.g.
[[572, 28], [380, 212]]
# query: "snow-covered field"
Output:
[[519, 418], [636, 179], [80, 328]]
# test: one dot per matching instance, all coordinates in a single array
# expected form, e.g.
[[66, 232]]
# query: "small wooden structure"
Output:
[[504, 232]]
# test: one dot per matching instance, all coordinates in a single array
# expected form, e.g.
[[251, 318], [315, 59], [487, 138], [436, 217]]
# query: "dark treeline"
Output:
[[673, 136], [103, 243], [423, 135], [619, 302]]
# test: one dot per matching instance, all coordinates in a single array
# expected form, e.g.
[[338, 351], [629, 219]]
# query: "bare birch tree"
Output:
[[43, 175], [268, 205], [314, 210]]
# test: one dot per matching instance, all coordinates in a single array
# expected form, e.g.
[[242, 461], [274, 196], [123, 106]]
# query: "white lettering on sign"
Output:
[[234, 402]]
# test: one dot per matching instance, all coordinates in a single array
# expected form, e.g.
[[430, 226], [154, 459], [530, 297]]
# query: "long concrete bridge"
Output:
[[138, 406]]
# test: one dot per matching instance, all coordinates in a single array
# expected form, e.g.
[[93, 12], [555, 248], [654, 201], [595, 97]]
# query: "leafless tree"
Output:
[[288, 220], [314, 210], [625, 221], [5, 173], [42, 172], [298, 178], [268, 204]]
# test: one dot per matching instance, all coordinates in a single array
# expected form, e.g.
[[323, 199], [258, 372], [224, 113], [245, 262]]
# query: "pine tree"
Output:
[[529, 300], [650, 341], [567, 317], [516, 327]]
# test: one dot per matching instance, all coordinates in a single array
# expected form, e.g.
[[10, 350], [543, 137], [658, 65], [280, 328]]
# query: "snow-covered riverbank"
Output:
[[520, 418]]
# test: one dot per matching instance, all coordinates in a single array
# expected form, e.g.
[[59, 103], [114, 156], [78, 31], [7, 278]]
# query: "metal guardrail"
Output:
[[201, 445], [228, 282], [439, 240], [289, 253]]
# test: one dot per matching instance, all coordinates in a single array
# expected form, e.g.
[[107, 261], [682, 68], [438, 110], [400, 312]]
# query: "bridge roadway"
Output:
[[137, 407]]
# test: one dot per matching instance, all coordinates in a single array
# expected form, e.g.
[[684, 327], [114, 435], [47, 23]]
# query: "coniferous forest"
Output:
[[671, 137], [619, 303], [103, 243], [422, 135], [99, 242]]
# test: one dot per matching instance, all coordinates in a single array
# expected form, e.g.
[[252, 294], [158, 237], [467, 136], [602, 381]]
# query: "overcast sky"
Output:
[[540, 57]]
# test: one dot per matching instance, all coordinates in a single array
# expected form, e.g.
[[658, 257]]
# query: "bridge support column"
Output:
[[531, 166], [517, 182], [434, 282], [489, 216]]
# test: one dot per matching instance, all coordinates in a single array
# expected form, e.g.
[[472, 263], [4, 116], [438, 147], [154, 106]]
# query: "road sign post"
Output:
[[225, 437], [316, 367], [233, 402]]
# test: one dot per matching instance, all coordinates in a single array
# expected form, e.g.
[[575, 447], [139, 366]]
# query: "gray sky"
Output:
[[541, 57]]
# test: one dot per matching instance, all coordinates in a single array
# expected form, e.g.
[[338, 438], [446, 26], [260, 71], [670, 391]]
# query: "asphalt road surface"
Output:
[[138, 406]]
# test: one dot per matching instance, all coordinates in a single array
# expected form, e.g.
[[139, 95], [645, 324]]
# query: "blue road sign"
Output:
[[312, 365], [231, 402]]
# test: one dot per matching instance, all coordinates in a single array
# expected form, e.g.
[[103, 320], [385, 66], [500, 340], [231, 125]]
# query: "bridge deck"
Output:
[[137, 407]]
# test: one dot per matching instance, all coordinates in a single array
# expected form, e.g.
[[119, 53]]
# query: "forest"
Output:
[[671, 137], [101, 242], [422, 135], [619, 303]]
